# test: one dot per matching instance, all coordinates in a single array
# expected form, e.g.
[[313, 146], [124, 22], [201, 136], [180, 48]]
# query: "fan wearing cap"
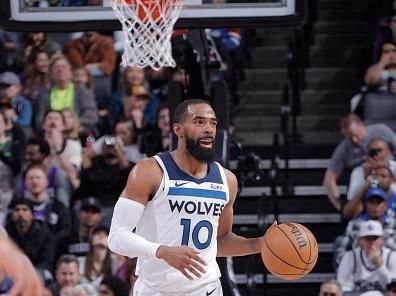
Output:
[[371, 265], [375, 204], [89, 216], [10, 90]]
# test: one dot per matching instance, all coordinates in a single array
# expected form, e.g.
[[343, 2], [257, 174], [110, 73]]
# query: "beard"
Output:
[[199, 153], [22, 224]]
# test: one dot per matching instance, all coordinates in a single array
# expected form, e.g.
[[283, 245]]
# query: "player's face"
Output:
[[200, 132]]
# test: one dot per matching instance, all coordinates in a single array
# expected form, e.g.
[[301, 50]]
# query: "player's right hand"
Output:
[[184, 259]]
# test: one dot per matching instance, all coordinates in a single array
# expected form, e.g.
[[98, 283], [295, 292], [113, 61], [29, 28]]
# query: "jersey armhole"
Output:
[[224, 178], [163, 187]]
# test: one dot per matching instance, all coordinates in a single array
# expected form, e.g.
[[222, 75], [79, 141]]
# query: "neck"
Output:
[[84, 231], [39, 197], [23, 231], [62, 84], [189, 164]]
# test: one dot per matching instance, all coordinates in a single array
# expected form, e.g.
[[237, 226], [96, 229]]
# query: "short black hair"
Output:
[[179, 115], [42, 143], [116, 285]]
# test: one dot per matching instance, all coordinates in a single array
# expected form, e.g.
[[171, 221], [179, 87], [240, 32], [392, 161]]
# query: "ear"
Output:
[[178, 130]]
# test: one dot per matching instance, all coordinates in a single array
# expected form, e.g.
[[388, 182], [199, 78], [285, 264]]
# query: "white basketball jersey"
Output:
[[184, 211]]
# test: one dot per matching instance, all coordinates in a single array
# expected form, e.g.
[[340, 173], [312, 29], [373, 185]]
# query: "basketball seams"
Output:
[[287, 274], [310, 250], [270, 248], [298, 253], [272, 252]]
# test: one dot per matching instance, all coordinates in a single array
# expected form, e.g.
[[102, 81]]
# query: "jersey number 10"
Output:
[[186, 223]]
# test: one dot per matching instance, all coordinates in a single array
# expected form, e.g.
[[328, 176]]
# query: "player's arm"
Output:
[[143, 181], [228, 243], [17, 266]]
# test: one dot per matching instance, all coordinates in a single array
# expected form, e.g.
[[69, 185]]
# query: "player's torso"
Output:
[[184, 211]]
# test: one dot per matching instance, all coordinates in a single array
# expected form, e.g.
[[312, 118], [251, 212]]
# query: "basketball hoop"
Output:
[[147, 27]]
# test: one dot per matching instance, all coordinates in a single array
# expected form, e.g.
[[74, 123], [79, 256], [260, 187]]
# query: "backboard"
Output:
[[80, 15]]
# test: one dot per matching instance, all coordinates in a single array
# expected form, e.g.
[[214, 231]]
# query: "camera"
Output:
[[249, 169], [109, 141]]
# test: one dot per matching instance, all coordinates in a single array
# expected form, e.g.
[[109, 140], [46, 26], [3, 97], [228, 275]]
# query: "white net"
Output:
[[147, 27]]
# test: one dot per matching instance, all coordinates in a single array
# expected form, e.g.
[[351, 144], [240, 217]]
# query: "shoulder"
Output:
[[147, 170], [231, 178]]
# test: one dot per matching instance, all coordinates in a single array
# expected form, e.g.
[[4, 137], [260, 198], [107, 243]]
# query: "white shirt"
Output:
[[357, 273]]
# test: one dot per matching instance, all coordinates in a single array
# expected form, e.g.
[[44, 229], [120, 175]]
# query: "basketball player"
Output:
[[181, 205]]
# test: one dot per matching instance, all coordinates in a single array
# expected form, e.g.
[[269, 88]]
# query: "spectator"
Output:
[[134, 96], [10, 89], [369, 267], [11, 53], [93, 51], [113, 286], [36, 77], [158, 81], [126, 270], [89, 216], [155, 139], [391, 288], [381, 177], [72, 124], [50, 211], [330, 288], [125, 135], [99, 261], [82, 290], [375, 206], [40, 41], [379, 154], [66, 153], [10, 164], [381, 75], [95, 174], [33, 237], [37, 152], [351, 151], [82, 77], [66, 94], [67, 274]]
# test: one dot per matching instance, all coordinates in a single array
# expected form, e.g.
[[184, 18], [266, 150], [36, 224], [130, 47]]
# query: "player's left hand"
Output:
[[184, 259]]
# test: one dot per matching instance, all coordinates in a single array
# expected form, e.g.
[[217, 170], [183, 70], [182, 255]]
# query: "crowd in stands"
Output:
[[364, 256], [73, 123]]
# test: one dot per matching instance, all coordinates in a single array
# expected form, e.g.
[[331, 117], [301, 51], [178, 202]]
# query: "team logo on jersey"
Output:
[[178, 184]]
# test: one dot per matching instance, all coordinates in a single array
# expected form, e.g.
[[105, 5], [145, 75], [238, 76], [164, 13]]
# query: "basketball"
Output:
[[289, 250]]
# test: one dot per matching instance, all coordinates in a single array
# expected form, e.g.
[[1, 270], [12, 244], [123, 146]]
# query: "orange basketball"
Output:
[[289, 250]]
